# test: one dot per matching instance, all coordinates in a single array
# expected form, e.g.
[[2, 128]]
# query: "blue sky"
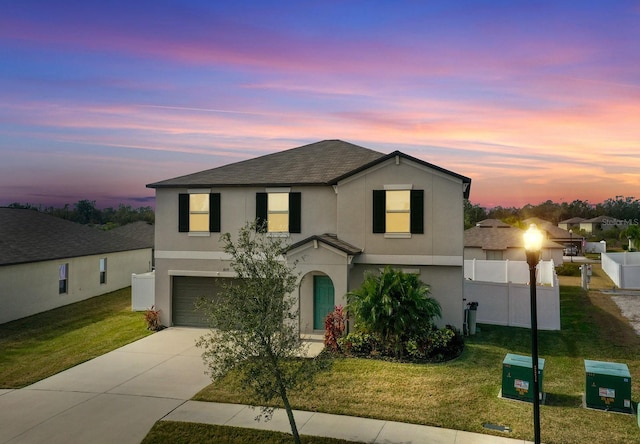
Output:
[[532, 100]]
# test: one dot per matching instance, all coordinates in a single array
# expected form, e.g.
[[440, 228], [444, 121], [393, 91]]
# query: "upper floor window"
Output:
[[199, 212], [398, 211], [280, 209], [103, 270], [278, 212], [63, 278]]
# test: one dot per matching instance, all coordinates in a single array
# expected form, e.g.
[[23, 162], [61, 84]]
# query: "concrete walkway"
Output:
[[117, 397]]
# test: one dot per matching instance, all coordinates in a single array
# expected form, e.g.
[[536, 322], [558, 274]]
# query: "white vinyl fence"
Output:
[[143, 291], [505, 300], [595, 247], [516, 272], [623, 269]]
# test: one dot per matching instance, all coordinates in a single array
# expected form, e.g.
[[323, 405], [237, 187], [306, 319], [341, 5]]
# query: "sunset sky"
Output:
[[531, 100]]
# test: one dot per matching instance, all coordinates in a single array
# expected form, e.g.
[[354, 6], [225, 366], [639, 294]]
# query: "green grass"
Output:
[[191, 433], [463, 394], [42, 345]]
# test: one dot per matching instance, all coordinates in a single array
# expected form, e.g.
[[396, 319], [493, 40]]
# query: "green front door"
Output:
[[323, 300]]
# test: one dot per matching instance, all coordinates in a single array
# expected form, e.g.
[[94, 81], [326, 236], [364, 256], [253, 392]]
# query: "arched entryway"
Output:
[[323, 299]]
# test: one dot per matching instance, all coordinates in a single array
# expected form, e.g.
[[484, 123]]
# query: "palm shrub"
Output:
[[394, 306]]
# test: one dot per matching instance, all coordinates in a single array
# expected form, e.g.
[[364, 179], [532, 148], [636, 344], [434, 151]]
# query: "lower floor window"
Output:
[[103, 270], [63, 279]]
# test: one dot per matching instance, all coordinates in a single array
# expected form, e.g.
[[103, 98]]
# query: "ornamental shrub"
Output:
[[334, 327], [394, 306], [358, 344]]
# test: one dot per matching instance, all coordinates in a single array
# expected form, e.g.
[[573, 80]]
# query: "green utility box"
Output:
[[608, 386], [517, 377]]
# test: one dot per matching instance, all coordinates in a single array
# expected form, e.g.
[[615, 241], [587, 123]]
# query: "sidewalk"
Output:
[[333, 426], [118, 397]]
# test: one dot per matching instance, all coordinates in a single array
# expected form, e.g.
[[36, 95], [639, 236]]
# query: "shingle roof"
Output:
[[493, 223], [317, 163], [320, 163], [332, 240], [140, 230], [497, 237], [31, 236], [597, 220], [553, 231], [573, 220]]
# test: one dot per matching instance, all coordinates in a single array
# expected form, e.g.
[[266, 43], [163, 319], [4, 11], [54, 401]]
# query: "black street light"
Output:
[[532, 246], [571, 242]]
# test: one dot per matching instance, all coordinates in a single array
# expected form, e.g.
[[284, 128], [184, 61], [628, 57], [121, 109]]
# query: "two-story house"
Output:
[[344, 210]]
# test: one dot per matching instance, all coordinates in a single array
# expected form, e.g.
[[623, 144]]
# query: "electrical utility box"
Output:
[[608, 386], [517, 377]]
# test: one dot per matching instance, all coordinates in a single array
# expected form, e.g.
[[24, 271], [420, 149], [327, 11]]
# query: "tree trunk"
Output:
[[287, 406]]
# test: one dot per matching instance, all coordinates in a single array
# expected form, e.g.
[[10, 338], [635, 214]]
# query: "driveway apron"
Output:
[[115, 398]]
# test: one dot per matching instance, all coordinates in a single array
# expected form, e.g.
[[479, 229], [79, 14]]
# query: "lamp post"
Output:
[[532, 246], [571, 242]]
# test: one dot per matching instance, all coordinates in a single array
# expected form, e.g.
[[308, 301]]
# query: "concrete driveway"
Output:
[[115, 398]]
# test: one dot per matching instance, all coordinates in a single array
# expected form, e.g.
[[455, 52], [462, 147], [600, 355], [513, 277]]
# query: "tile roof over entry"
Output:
[[31, 236]]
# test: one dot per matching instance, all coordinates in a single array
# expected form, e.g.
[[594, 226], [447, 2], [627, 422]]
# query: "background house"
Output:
[[556, 234], [571, 224], [47, 262], [595, 224], [493, 239], [344, 210]]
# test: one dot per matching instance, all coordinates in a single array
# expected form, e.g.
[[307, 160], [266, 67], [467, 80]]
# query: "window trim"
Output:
[[416, 211], [294, 211], [63, 283], [103, 270], [214, 212]]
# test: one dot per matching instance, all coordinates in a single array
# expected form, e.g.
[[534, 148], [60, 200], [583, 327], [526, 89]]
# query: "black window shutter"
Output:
[[379, 211], [183, 213], [417, 211], [295, 213], [261, 211], [214, 212]]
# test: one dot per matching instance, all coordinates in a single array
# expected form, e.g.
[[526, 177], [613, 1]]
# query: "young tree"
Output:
[[254, 322], [633, 234]]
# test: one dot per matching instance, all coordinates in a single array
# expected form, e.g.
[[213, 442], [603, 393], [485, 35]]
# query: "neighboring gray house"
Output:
[[47, 262], [492, 239], [344, 210]]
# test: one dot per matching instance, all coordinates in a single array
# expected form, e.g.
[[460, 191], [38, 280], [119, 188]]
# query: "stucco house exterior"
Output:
[[492, 239], [571, 224], [47, 262], [344, 210]]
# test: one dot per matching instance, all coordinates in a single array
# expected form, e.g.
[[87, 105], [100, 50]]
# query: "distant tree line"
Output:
[[85, 212], [621, 208]]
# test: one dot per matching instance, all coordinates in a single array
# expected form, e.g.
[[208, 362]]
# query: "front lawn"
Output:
[[42, 345], [463, 394], [191, 433]]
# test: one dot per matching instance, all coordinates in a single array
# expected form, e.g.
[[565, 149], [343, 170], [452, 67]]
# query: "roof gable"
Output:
[[465, 180], [31, 236]]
